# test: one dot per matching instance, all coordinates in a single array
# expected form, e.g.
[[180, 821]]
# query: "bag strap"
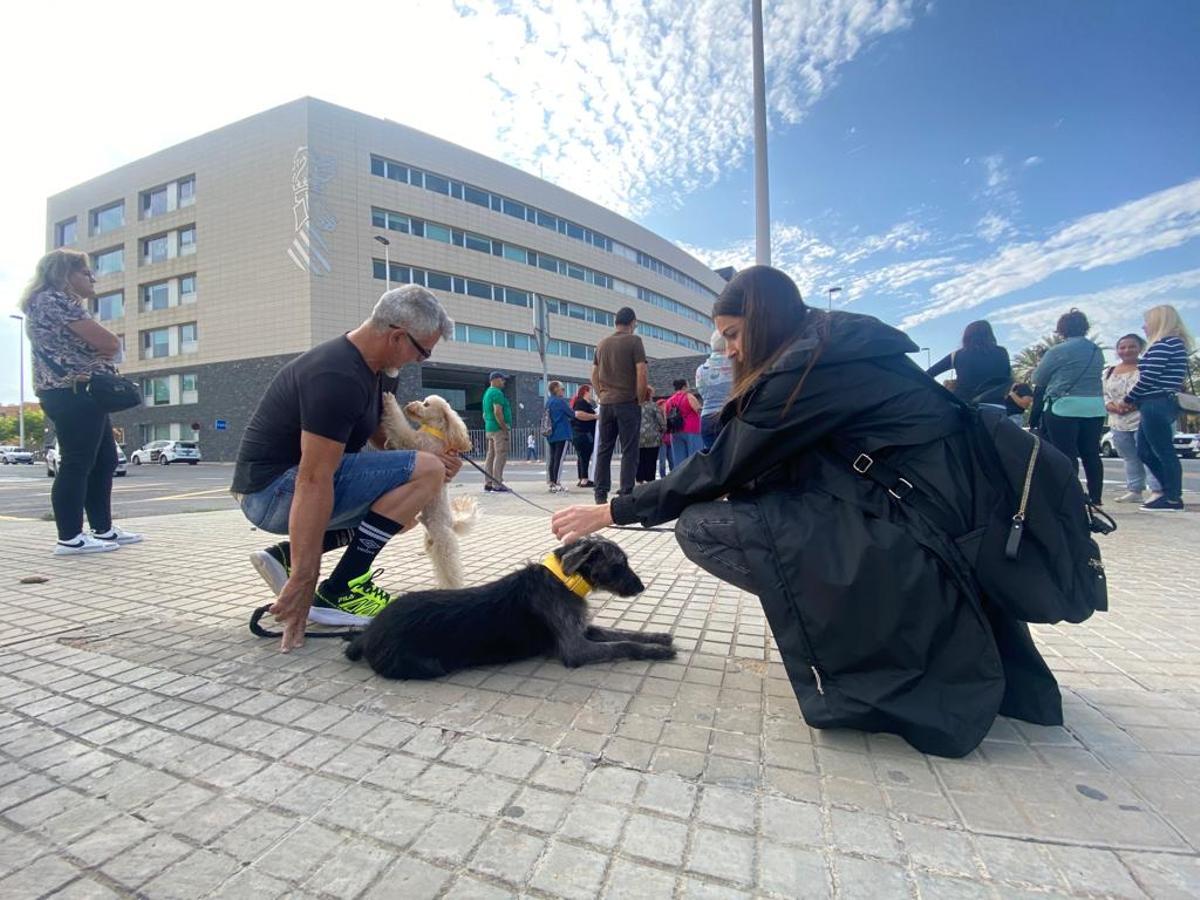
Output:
[[49, 363], [1082, 372]]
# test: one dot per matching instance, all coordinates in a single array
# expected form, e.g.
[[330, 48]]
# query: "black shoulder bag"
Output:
[[108, 390]]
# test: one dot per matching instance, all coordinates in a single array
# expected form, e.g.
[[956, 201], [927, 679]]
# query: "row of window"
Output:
[[152, 202], [153, 296], [513, 340], [439, 184], [174, 340], [154, 249], [166, 431], [170, 390], [486, 290], [394, 221]]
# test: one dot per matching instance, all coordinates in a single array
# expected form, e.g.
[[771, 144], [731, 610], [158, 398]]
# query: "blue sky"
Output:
[[941, 161]]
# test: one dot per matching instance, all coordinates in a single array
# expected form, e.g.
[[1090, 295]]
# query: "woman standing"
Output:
[[873, 633], [1072, 411], [714, 379], [1122, 426], [69, 346], [982, 373], [561, 417], [686, 439], [650, 435], [583, 432], [1162, 372]]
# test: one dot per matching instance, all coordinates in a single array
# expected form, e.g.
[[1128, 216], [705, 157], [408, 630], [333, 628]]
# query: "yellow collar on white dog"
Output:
[[429, 429], [575, 583]]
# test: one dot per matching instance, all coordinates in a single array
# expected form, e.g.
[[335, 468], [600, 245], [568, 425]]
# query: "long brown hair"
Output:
[[52, 273], [773, 317]]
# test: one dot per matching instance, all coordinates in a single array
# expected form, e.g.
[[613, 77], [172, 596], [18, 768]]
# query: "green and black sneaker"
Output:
[[358, 604], [274, 565]]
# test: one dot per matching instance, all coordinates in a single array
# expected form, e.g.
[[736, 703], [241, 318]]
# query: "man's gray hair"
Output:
[[414, 309]]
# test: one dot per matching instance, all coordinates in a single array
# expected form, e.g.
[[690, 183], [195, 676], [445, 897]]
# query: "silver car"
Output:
[[11, 456], [52, 462]]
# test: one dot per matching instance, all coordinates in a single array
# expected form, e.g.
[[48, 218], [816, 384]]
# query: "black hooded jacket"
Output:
[[874, 633]]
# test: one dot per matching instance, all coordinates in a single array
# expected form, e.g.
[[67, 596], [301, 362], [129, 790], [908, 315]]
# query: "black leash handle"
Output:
[[257, 630]]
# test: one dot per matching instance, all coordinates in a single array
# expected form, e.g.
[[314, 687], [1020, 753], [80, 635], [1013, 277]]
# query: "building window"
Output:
[[157, 391], [187, 289], [110, 306], [155, 249], [65, 232], [154, 202], [156, 296], [188, 392], [156, 344], [187, 191], [108, 218], [188, 342], [187, 240], [109, 262]]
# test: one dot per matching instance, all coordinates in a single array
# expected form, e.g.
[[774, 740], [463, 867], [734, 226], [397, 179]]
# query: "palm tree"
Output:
[[1025, 363]]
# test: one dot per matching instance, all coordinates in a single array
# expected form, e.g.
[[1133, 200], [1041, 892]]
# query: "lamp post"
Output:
[[832, 291], [387, 261], [762, 205], [21, 357], [928, 358]]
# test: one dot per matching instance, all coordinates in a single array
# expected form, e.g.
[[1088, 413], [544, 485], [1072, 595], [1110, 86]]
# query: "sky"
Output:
[[939, 161]]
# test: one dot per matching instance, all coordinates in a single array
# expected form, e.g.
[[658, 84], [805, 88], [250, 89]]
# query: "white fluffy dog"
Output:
[[444, 520]]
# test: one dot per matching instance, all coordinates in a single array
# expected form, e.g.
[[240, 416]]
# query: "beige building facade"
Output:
[[222, 257]]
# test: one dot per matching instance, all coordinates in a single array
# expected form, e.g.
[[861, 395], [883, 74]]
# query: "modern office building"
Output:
[[223, 257]]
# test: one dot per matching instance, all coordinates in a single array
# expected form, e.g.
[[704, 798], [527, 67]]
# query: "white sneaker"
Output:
[[1130, 497], [83, 543], [120, 536]]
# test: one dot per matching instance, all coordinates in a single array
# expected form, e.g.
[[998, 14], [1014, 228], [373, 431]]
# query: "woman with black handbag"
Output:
[[70, 348]]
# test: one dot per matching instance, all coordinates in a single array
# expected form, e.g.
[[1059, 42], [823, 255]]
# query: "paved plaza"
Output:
[[150, 746]]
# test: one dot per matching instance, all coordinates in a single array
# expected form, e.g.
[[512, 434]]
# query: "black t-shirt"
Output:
[[329, 391], [978, 370], [578, 426]]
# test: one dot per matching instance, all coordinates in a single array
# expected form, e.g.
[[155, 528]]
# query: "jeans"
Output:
[[710, 427], [554, 463], [584, 443], [360, 480], [1079, 439], [87, 456], [683, 445], [623, 422], [664, 460], [497, 456], [1155, 447], [1125, 443]]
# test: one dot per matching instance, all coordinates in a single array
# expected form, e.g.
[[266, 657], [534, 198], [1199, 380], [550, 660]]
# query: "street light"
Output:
[[21, 357], [387, 261], [762, 210], [832, 291], [928, 358]]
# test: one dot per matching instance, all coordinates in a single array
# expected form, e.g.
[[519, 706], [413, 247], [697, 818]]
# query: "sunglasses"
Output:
[[425, 353]]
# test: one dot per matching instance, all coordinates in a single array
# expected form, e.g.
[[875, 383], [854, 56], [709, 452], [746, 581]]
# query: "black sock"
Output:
[[331, 541], [372, 533]]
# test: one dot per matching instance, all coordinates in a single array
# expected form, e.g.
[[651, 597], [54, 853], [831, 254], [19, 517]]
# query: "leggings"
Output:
[[1079, 439], [554, 467], [584, 443], [87, 456]]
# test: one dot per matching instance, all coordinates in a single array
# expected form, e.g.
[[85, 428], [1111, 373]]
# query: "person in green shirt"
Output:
[[497, 420]]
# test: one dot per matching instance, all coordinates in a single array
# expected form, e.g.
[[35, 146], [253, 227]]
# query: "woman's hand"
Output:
[[575, 522]]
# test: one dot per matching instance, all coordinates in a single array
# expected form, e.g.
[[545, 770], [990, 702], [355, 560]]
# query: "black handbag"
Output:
[[108, 390]]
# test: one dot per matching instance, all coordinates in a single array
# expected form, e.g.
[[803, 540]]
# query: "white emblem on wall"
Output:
[[310, 173]]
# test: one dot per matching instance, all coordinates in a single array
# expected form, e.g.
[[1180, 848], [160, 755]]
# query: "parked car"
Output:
[[52, 462], [166, 452], [1186, 445], [15, 456]]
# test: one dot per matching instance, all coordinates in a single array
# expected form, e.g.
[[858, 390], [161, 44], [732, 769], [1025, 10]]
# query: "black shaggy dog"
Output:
[[531, 612]]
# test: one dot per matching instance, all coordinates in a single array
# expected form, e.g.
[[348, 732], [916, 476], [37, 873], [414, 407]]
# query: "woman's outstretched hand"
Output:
[[575, 522]]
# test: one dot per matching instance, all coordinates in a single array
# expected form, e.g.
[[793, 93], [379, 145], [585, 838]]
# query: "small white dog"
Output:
[[444, 520]]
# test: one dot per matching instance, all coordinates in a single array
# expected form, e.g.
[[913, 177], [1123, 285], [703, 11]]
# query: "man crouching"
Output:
[[299, 470]]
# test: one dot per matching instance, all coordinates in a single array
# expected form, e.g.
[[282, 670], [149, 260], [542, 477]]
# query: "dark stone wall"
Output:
[[664, 371]]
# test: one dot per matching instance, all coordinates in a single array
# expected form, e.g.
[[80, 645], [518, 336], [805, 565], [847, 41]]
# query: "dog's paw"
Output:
[[657, 637], [656, 651]]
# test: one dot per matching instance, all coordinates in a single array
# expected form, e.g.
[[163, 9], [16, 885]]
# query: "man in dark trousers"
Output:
[[299, 471], [619, 374]]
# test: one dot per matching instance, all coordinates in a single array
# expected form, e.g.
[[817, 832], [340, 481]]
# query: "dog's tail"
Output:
[[464, 513], [354, 648]]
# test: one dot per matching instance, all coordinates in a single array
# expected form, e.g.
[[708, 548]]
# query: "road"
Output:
[[162, 490]]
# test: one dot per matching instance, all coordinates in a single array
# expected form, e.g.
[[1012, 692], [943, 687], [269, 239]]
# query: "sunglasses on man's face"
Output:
[[425, 353]]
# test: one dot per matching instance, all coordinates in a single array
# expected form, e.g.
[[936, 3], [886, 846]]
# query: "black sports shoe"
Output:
[[1162, 504], [274, 565]]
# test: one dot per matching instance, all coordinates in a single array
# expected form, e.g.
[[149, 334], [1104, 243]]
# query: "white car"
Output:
[[1186, 445], [52, 462], [166, 452], [15, 456]]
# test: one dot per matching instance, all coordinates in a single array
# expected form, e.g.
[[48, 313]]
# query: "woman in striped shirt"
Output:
[[1161, 374]]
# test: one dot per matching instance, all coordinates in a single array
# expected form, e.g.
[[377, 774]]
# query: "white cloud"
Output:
[[1031, 161], [1157, 222], [993, 226]]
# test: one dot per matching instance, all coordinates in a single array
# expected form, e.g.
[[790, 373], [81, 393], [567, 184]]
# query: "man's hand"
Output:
[[452, 462], [575, 522], [291, 610]]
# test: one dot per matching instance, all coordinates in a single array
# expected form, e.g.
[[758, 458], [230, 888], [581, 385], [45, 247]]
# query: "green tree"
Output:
[[1026, 361], [35, 425]]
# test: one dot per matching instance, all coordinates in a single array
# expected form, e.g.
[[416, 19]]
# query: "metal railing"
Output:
[[518, 444]]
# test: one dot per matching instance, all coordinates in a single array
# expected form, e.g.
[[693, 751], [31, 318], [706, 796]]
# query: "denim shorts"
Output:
[[360, 480]]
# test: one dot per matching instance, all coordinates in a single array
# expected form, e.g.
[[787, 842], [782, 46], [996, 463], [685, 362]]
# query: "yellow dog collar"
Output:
[[577, 584], [429, 429]]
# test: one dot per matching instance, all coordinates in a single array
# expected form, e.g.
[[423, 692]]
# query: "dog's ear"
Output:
[[456, 430], [572, 556]]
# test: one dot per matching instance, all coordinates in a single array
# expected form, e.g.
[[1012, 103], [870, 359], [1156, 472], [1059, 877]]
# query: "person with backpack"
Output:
[[683, 422], [869, 590], [650, 437], [982, 372], [1072, 413], [556, 428], [1122, 426]]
